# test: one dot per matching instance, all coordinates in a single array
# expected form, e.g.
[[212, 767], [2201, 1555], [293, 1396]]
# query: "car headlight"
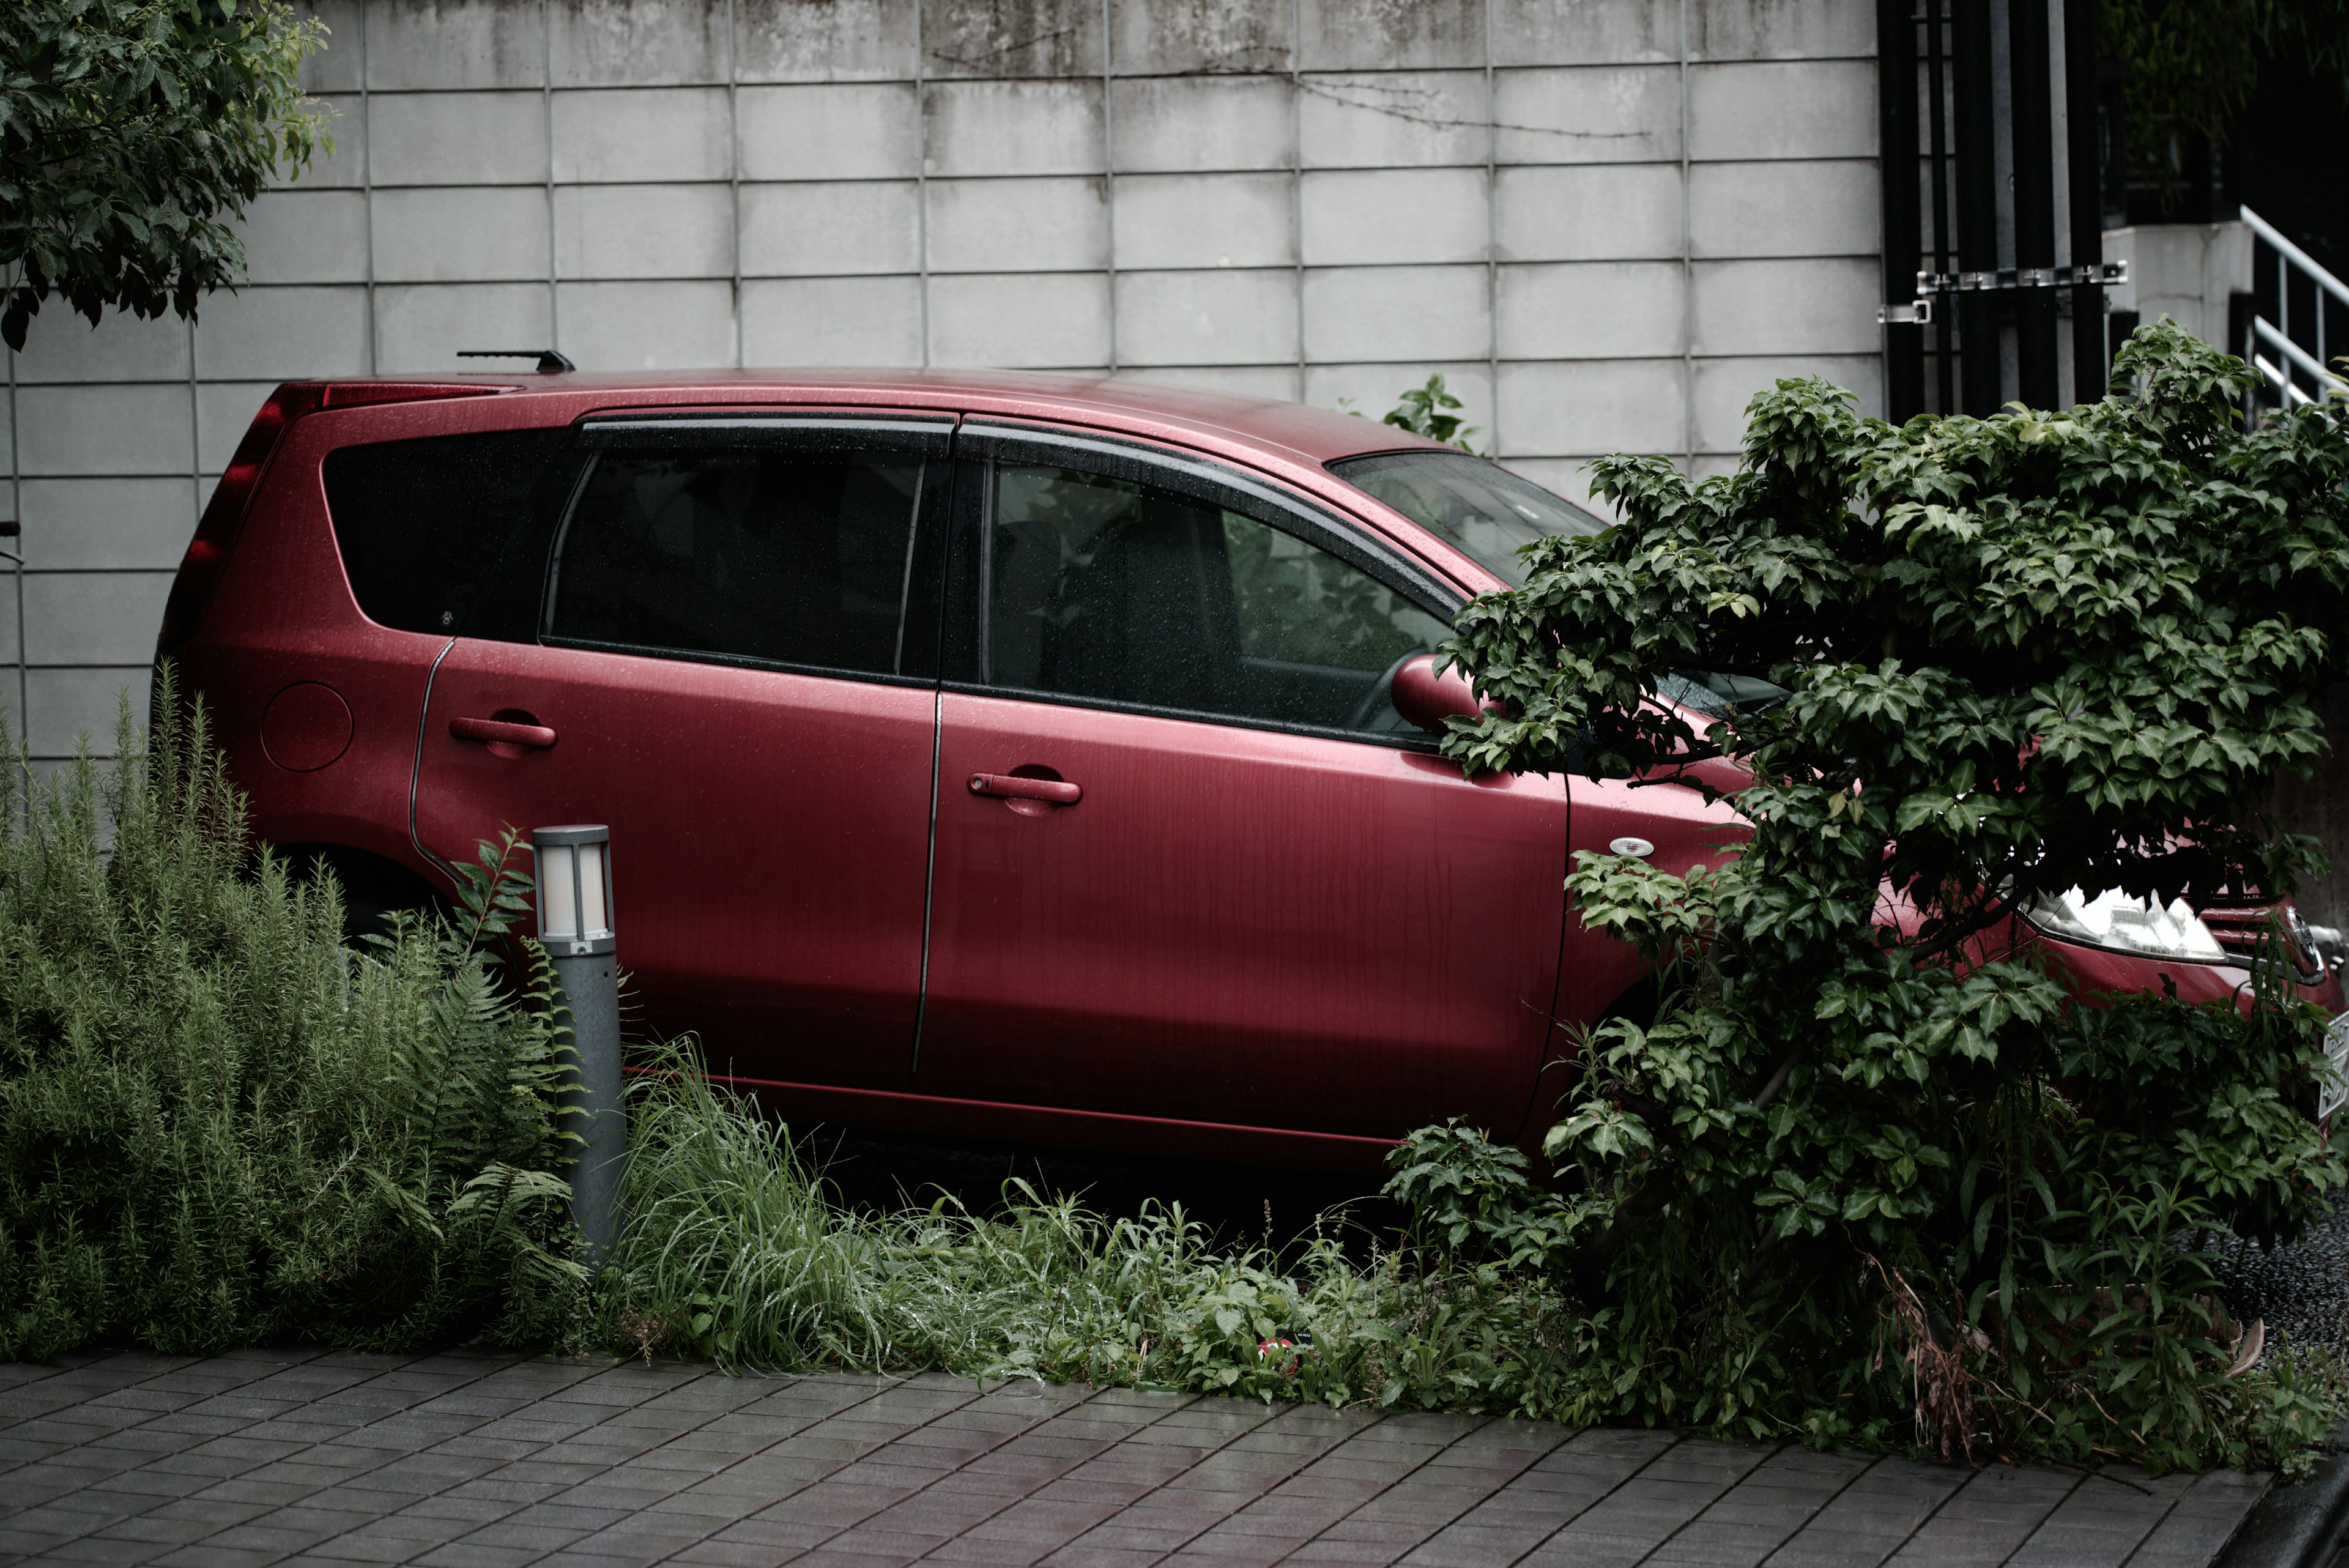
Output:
[[2114, 920]]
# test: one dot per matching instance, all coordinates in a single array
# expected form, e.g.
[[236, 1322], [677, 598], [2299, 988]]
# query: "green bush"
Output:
[[1871, 1169], [221, 1126]]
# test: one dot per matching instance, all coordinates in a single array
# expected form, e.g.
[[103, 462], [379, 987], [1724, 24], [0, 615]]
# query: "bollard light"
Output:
[[574, 926], [574, 889]]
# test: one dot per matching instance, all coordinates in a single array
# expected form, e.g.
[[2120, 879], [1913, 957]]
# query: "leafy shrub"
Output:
[[2019, 655], [219, 1126]]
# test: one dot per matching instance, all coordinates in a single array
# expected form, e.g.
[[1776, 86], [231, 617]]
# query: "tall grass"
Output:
[[733, 1250], [219, 1126]]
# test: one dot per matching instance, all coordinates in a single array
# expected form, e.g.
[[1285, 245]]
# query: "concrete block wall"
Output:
[[1607, 223]]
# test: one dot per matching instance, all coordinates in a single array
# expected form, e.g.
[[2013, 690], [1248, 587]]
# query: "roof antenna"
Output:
[[549, 361]]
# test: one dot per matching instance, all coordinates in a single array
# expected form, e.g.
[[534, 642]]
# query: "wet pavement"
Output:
[[476, 1459]]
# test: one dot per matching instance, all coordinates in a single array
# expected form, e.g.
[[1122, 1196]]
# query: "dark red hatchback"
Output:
[[1005, 755]]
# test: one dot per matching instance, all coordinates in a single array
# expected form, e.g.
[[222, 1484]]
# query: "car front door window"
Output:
[[1109, 589]]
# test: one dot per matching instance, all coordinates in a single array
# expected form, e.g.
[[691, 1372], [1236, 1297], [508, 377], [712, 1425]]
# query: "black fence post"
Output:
[[1896, 108], [2086, 204], [1977, 213], [2029, 71]]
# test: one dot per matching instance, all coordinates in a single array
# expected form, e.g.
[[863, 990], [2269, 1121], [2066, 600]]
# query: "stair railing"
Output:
[[2293, 348]]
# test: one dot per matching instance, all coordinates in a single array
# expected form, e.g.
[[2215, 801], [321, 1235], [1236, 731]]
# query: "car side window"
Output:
[[424, 525], [1118, 589], [783, 556]]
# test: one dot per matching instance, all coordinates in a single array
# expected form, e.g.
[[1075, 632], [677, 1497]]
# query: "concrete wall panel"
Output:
[[825, 40], [1592, 114], [1018, 225], [1397, 313], [643, 231], [69, 706], [104, 430], [649, 325], [1019, 321], [88, 617], [828, 132], [642, 134], [1762, 308], [1203, 123], [1367, 216], [1382, 35], [1206, 220], [281, 332], [336, 68], [1780, 30], [1013, 128], [306, 236], [454, 44], [1409, 120], [60, 346], [604, 43], [1216, 36], [459, 235], [848, 226], [833, 321], [105, 524], [1588, 212], [1621, 32], [422, 327], [1012, 38], [457, 138], [1589, 310], [1582, 409], [1785, 209], [1206, 317], [1804, 108]]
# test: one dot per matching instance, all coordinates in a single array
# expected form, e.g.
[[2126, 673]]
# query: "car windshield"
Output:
[[1478, 507]]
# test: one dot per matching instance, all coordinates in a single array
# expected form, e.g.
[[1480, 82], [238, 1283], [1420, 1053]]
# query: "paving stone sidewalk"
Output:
[[483, 1460]]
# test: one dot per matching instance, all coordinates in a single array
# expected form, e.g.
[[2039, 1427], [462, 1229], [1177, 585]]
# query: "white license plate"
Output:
[[2336, 1051]]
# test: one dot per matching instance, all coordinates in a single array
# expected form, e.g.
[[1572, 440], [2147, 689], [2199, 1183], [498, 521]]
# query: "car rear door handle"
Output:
[[496, 729], [1011, 786]]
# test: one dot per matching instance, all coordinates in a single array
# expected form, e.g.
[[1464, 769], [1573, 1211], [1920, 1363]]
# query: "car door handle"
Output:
[[1011, 786], [497, 730]]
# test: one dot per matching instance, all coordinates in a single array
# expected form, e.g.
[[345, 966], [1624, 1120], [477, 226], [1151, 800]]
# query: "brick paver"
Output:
[[468, 1459]]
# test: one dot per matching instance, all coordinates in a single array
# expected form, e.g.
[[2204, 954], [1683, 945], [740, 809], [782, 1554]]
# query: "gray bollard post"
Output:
[[574, 926]]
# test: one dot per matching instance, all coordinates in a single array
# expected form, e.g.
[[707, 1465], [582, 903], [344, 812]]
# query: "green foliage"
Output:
[[2022, 655], [218, 1126], [732, 1250], [2191, 66], [1426, 410], [132, 133]]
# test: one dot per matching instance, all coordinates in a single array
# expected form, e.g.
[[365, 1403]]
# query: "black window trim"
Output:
[[934, 444], [1321, 526]]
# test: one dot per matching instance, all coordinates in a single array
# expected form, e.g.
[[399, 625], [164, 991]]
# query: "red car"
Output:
[[1006, 756]]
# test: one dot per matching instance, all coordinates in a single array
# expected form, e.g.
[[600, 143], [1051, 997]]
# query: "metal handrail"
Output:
[[2292, 351], [2315, 377], [2294, 254]]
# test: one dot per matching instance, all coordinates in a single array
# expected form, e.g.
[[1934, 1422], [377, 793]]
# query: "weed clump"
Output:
[[219, 1126]]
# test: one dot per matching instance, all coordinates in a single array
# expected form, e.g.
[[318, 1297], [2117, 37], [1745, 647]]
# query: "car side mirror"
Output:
[[1427, 698]]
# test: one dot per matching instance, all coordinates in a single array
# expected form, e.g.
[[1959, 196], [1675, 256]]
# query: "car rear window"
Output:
[[426, 526], [1479, 508], [787, 555]]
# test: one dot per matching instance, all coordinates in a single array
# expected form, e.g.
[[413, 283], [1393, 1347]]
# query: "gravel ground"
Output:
[[2302, 1290]]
